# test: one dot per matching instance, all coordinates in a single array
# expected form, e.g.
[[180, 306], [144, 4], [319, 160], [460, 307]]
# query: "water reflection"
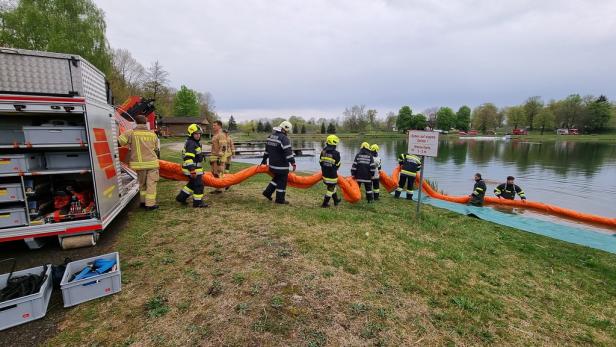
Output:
[[576, 175]]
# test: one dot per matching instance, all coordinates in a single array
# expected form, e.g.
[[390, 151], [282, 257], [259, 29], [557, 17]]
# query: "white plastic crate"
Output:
[[19, 163], [12, 217], [28, 308], [67, 160], [77, 292], [11, 192], [54, 135]]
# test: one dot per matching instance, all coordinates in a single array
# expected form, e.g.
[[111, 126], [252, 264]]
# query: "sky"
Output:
[[270, 58]]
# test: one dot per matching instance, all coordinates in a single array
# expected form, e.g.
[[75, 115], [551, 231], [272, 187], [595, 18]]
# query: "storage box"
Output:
[[77, 292], [12, 217], [67, 160], [11, 136], [19, 163], [54, 135], [28, 308], [11, 192]]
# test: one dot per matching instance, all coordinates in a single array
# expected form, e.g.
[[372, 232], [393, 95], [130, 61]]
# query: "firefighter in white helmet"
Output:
[[279, 153]]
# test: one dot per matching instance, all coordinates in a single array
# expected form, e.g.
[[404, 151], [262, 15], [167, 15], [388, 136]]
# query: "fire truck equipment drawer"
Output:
[[12, 217], [10, 136], [54, 135], [67, 160], [19, 163], [11, 192]]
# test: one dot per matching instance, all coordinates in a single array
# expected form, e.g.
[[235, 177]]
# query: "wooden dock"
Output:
[[298, 152]]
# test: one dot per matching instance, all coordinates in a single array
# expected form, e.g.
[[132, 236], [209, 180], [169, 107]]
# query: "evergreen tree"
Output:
[[260, 128], [303, 128], [233, 124], [331, 128], [323, 130]]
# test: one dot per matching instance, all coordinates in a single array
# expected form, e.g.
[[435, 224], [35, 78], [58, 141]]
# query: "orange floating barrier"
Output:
[[352, 193]]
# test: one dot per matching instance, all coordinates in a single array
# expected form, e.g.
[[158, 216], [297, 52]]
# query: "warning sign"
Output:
[[423, 143]]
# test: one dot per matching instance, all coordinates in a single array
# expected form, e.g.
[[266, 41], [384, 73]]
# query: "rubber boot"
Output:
[[325, 201], [376, 196], [181, 197], [337, 200], [269, 190], [397, 194], [280, 198], [370, 198], [409, 196], [200, 204], [268, 197]]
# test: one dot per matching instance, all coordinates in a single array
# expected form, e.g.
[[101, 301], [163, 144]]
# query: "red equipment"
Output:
[[134, 106]]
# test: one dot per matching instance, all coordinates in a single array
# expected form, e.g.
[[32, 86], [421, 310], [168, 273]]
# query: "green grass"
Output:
[[247, 272]]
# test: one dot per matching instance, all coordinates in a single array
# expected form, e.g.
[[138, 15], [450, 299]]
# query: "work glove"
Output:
[[294, 166], [193, 174]]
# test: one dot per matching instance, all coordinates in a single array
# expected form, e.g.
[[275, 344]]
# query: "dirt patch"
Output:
[[37, 332]]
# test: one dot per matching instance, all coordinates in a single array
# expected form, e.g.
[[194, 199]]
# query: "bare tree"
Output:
[[157, 80], [128, 68], [430, 114], [355, 118], [207, 106]]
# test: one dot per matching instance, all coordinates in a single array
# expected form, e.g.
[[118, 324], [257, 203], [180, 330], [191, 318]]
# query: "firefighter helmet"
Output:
[[194, 128], [286, 126], [365, 145], [374, 148], [333, 140]]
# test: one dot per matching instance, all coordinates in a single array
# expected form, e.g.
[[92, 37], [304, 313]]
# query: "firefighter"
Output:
[[330, 162], [479, 191], [376, 178], [410, 164], [280, 154], [219, 150], [144, 145], [364, 169], [230, 151], [509, 190], [193, 168]]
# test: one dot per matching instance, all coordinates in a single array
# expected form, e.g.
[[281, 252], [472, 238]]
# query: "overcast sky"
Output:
[[265, 58]]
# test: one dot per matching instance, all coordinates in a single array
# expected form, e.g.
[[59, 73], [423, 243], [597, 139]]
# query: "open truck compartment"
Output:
[[60, 171]]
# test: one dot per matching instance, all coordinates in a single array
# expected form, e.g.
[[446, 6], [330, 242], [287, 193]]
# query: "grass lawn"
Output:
[[247, 272]]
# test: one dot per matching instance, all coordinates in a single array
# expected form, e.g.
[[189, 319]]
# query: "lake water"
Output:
[[576, 175]]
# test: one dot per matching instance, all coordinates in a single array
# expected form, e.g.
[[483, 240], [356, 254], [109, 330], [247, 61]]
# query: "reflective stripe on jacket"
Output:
[[363, 168], [143, 144], [330, 162], [410, 164], [192, 157], [219, 147], [278, 151]]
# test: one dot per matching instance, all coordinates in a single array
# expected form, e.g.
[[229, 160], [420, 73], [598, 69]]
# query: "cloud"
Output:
[[324, 55]]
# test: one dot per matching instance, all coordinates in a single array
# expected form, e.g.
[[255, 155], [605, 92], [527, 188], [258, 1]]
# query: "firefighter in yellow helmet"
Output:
[[376, 183], [330, 162], [364, 169], [143, 144], [193, 168]]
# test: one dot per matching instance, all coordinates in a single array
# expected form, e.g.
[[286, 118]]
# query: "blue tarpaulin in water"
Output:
[[584, 237]]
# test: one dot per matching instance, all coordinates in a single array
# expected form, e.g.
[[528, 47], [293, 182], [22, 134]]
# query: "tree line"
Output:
[[589, 114], [78, 27]]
